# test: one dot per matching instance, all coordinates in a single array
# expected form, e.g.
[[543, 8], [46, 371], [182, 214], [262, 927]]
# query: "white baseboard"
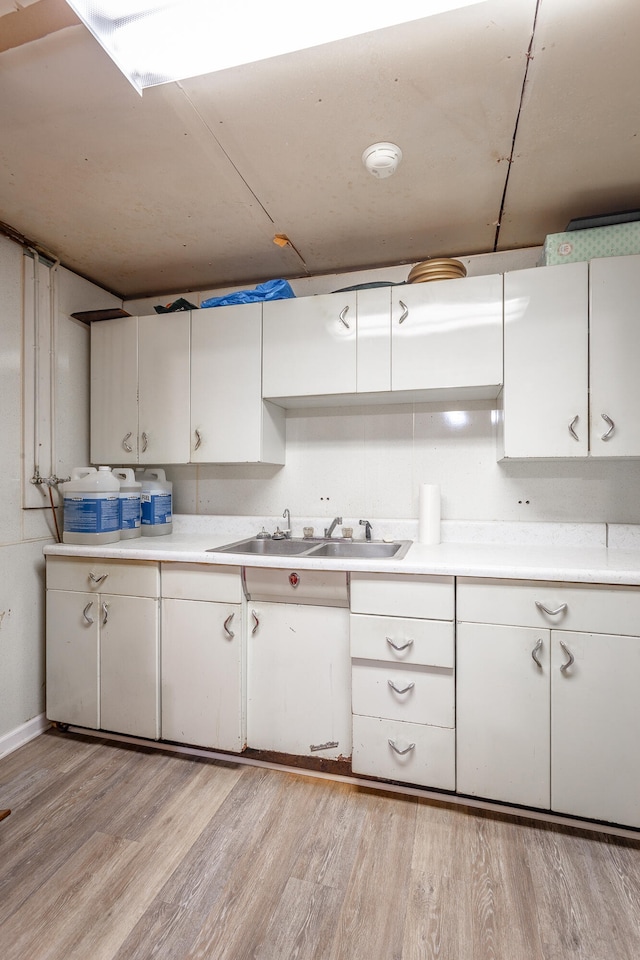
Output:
[[22, 734]]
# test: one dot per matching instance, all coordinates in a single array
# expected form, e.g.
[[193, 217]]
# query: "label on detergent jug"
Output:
[[156, 508], [95, 515], [129, 511]]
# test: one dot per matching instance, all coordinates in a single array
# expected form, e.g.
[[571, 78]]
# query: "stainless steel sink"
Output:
[[327, 549], [361, 549], [266, 547]]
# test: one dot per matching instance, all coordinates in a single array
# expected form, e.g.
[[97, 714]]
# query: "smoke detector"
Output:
[[382, 159]]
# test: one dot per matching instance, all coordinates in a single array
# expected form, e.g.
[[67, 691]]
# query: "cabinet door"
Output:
[[614, 349], [163, 385], [309, 346], [545, 399], [374, 340], [299, 680], [114, 391], [129, 686], [503, 723], [72, 658], [202, 675], [447, 333], [230, 423], [595, 770]]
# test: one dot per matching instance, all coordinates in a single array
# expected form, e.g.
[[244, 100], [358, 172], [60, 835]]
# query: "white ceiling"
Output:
[[185, 187]]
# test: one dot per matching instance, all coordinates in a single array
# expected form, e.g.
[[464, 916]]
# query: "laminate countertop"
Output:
[[586, 553]]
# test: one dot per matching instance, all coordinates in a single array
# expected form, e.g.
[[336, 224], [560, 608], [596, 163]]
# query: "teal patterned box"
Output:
[[615, 241]]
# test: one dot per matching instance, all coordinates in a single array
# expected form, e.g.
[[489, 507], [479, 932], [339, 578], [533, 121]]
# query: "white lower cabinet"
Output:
[[549, 717], [202, 661], [102, 645], [403, 688], [298, 698]]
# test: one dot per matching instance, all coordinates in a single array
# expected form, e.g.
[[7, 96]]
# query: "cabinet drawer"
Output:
[[320, 587], [421, 694], [574, 606], [201, 581], [403, 595], [401, 640], [424, 755], [130, 578]]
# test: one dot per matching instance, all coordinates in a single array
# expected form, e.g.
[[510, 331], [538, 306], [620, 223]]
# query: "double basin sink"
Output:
[[325, 548]]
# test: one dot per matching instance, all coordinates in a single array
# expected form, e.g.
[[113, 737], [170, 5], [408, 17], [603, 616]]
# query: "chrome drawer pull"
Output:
[[571, 428], [105, 613], [198, 440], [609, 422], [551, 613], [399, 646], [229, 632], [127, 446], [145, 442], [405, 312], [405, 689], [397, 749], [534, 653], [95, 579], [342, 317], [85, 612], [256, 622], [565, 666]]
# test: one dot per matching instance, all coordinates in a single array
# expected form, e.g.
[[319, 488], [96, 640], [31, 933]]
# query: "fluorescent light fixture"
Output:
[[158, 41]]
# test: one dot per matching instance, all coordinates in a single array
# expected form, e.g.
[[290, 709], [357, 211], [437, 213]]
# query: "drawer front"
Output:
[[417, 753], [289, 585], [400, 640], [403, 595], [418, 694], [130, 578], [201, 581], [580, 607]]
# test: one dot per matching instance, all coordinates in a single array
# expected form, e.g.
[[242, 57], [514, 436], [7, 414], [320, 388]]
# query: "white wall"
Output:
[[23, 533]]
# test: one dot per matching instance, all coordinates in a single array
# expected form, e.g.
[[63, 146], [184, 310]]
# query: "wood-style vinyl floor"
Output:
[[113, 852]]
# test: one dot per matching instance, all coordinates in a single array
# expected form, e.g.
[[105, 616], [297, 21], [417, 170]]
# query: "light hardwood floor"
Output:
[[115, 852]]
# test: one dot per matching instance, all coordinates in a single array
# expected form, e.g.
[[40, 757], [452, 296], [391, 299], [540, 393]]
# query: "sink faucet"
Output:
[[334, 523], [287, 517], [367, 529]]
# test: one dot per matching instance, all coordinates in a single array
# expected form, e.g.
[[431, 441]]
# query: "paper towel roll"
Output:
[[429, 513]]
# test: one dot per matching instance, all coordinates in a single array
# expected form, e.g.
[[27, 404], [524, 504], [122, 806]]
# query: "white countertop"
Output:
[[559, 552]]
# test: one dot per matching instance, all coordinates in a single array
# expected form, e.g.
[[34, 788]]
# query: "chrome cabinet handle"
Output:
[[571, 428], [397, 749], [145, 441], [551, 613], [534, 653], [105, 612], [85, 612], [198, 440], [565, 666], [342, 317], [95, 579], [405, 311], [609, 422], [255, 621], [399, 646], [405, 689], [127, 446], [227, 629]]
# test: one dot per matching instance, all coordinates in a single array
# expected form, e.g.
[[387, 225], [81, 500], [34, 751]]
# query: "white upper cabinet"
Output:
[[545, 399], [114, 391], [140, 389], [230, 422], [448, 334], [615, 348], [309, 346], [163, 388]]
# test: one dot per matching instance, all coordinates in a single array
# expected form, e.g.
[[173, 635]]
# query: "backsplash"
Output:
[[368, 462]]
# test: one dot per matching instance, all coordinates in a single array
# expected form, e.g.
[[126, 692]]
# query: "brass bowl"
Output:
[[440, 268]]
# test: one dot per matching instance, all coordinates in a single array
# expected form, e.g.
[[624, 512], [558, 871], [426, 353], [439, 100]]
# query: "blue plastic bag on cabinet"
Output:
[[271, 290]]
